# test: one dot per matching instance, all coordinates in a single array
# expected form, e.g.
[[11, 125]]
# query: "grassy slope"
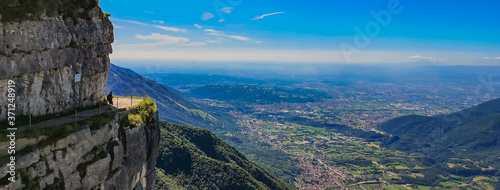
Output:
[[195, 158]]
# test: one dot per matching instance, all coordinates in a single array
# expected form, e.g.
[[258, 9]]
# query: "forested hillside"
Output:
[[193, 158], [469, 138]]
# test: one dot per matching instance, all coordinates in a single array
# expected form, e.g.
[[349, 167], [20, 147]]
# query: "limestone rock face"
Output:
[[43, 57], [128, 159]]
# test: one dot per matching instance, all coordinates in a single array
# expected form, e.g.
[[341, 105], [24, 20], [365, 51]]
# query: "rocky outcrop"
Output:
[[112, 157], [43, 56]]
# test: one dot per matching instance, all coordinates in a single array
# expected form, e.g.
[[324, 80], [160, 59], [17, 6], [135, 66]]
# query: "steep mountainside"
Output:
[[193, 158], [172, 107], [473, 133]]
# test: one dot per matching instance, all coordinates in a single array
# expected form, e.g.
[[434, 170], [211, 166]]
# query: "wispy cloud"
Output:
[[193, 44], [133, 22], [159, 21], [164, 39], [198, 26], [419, 57], [207, 16], [261, 17], [216, 41], [227, 10], [496, 58], [242, 38], [172, 29], [166, 28], [213, 32], [226, 55], [149, 12]]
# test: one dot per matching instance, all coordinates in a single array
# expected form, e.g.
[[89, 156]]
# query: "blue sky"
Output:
[[323, 31]]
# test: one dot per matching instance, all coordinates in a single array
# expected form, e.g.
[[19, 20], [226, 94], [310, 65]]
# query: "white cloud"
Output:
[[207, 16], [222, 20], [172, 29], [258, 42], [166, 28], [193, 44], [159, 21], [226, 55], [149, 12], [419, 57], [261, 17], [213, 32], [227, 10], [134, 22], [242, 38], [198, 26], [497, 58], [164, 38], [216, 41], [117, 26]]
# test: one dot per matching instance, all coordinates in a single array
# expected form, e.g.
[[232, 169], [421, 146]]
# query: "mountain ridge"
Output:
[[472, 133], [172, 106]]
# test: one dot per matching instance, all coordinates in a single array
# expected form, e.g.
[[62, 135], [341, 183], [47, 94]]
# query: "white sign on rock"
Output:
[[78, 77]]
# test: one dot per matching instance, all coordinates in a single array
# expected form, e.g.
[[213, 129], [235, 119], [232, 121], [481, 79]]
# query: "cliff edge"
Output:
[[110, 151]]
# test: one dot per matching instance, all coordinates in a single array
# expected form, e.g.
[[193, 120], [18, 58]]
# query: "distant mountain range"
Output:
[[472, 134]]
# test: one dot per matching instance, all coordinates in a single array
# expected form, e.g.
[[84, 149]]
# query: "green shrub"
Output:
[[106, 15], [143, 113], [135, 120]]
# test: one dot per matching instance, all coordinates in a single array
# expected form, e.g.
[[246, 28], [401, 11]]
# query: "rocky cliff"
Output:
[[44, 45], [42, 49], [113, 156]]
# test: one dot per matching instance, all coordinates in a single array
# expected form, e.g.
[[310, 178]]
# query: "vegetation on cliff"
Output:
[[141, 113]]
